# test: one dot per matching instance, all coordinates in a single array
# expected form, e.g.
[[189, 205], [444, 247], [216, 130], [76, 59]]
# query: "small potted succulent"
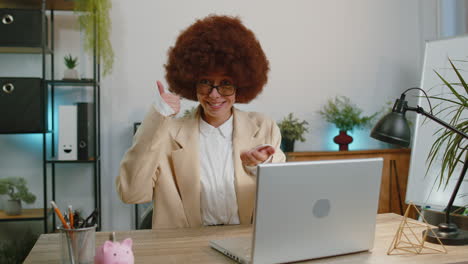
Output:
[[71, 63], [15, 188], [346, 116], [292, 129]]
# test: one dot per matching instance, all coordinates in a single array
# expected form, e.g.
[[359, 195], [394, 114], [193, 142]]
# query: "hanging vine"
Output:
[[89, 12]]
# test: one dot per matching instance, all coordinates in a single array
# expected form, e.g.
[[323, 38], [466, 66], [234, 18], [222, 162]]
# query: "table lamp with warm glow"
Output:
[[393, 128]]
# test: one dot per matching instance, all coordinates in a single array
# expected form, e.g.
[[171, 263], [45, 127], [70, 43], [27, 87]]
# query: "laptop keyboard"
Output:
[[246, 249]]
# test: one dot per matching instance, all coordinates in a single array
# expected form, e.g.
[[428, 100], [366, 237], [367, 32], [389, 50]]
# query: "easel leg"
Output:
[[393, 168]]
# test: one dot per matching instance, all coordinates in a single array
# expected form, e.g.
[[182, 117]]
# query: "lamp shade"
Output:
[[393, 128]]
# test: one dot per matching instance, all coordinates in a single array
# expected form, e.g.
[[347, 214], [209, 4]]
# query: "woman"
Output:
[[201, 170]]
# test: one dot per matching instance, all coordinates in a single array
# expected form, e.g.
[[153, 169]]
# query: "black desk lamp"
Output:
[[393, 128]]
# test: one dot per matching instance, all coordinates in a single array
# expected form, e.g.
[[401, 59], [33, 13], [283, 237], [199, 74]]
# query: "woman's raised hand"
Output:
[[171, 99]]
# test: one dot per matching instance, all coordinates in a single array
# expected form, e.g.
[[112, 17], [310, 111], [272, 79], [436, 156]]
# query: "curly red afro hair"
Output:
[[217, 43]]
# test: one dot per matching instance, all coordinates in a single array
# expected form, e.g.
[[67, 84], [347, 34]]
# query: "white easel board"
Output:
[[423, 189]]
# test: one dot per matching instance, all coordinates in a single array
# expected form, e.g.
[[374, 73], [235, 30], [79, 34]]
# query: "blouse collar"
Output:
[[225, 129]]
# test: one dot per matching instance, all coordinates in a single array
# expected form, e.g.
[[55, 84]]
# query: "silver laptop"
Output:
[[307, 210]]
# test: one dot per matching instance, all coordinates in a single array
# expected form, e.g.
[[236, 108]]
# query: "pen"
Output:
[[70, 216], [60, 216], [91, 219]]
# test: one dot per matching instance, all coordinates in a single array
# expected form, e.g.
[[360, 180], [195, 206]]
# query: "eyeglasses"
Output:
[[205, 87]]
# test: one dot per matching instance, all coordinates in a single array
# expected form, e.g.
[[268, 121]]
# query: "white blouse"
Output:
[[218, 195], [218, 201]]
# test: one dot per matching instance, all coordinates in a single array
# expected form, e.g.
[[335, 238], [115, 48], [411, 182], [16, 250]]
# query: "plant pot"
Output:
[[287, 145], [13, 207], [343, 140], [71, 74]]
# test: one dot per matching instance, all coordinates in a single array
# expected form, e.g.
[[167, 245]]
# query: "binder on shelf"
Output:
[[67, 134], [85, 133]]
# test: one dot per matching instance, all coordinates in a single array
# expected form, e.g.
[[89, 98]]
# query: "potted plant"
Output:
[[93, 17], [16, 244], [71, 63], [15, 188], [190, 113], [346, 116], [449, 147], [292, 129], [450, 144], [458, 216]]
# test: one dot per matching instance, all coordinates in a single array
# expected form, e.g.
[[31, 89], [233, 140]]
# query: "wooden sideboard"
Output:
[[389, 201]]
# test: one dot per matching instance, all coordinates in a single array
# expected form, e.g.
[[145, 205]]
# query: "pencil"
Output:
[[60, 216], [70, 216]]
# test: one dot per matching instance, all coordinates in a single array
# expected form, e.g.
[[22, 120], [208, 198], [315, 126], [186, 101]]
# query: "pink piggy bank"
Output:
[[115, 253]]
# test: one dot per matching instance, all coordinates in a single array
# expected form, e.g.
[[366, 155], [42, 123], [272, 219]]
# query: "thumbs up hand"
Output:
[[171, 99]]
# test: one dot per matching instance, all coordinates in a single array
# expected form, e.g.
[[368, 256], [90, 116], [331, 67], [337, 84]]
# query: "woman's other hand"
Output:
[[171, 99], [257, 155]]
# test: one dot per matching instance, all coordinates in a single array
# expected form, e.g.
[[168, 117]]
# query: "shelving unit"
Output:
[[49, 155], [26, 215], [59, 5], [72, 83], [70, 161], [26, 50]]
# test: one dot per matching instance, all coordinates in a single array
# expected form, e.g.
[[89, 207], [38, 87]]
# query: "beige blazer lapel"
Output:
[[187, 171], [244, 139]]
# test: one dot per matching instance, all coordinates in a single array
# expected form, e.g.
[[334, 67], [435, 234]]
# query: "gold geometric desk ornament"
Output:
[[410, 239]]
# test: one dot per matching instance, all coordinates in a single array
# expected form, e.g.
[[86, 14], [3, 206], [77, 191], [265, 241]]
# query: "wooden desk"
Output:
[[191, 246], [388, 201]]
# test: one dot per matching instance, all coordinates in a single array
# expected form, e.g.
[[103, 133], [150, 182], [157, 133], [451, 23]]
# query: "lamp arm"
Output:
[[421, 111], [455, 190]]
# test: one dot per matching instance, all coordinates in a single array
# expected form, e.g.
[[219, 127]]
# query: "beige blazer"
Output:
[[163, 166]]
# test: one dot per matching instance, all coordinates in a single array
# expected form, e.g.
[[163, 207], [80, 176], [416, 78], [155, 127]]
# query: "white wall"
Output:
[[455, 20], [368, 50]]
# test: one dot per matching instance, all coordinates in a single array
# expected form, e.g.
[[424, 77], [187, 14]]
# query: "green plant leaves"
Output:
[[70, 62], [94, 20], [189, 113], [292, 128], [16, 188], [15, 250], [345, 115], [449, 145]]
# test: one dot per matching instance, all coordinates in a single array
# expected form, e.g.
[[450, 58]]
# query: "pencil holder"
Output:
[[77, 245]]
